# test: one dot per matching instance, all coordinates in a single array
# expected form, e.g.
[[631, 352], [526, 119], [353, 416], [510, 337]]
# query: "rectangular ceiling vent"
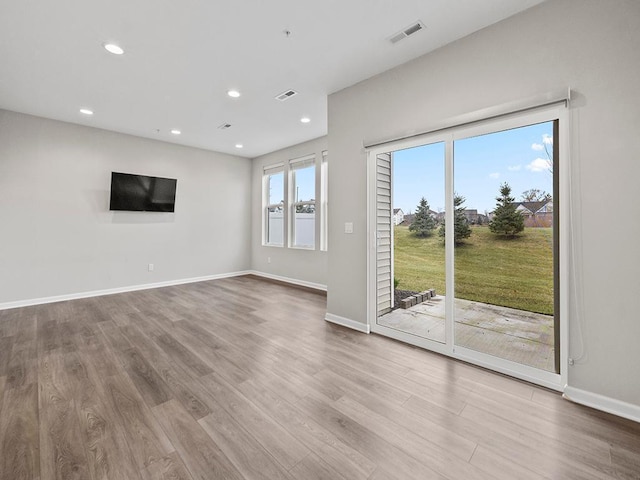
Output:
[[224, 126], [286, 95], [410, 30]]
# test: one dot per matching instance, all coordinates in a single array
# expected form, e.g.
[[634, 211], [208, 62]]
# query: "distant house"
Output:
[[398, 216], [408, 219], [533, 208], [475, 218], [472, 216], [536, 214]]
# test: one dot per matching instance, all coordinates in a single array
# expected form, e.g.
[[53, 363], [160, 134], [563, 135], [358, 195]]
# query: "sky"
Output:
[[305, 184], [481, 165]]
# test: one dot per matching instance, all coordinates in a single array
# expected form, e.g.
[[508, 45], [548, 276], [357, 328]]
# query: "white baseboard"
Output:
[[293, 281], [601, 402], [347, 322], [112, 291]]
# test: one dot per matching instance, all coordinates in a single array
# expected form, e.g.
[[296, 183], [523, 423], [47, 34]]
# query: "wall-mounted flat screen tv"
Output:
[[140, 193]]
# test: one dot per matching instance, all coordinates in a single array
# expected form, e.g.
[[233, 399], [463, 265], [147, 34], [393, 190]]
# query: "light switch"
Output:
[[348, 227]]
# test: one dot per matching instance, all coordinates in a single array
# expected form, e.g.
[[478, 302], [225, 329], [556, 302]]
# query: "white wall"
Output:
[[590, 45], [305, 266], [58, 236]]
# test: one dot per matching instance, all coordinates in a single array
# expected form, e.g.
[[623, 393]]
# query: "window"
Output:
[[324, 206], [273, 188], [303, 202], [294, 203]]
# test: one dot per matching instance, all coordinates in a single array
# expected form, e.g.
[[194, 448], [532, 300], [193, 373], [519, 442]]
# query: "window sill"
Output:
[[303, 247]]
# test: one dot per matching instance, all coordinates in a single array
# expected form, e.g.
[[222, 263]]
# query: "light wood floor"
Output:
[[241, 378]]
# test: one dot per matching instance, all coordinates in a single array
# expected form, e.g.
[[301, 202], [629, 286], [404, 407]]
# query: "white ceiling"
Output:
[[182, 56]]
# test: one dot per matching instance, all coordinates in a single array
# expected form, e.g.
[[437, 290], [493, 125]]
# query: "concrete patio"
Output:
[[515, 335]]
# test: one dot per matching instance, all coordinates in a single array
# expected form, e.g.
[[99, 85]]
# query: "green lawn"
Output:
[[515, 273]]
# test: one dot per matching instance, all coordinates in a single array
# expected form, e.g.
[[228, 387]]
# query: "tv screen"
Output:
[[140, 193]]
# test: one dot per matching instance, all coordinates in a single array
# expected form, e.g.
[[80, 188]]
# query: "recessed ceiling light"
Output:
[[86, 111], [239, 145], [176, 131], [305, 119], [233, 93], [113, 48]]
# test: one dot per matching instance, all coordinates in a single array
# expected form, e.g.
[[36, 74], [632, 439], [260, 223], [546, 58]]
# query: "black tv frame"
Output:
[[142, 193]]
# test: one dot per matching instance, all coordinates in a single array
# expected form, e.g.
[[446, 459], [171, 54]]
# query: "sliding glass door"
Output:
[[505, 244], [465, 253], [417, 251]]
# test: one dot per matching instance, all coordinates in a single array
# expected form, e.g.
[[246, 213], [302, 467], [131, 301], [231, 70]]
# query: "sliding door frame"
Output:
[[557, 111]]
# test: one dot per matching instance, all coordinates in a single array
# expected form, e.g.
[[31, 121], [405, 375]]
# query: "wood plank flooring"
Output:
[[243, 379]]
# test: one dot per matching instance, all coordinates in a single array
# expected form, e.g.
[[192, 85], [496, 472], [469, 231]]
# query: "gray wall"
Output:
[[591, 46], [59, 237], [307, 266]]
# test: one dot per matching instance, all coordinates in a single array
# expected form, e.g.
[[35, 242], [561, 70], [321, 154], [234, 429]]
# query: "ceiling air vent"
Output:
[[286, 95], [410, 30], [224, 126]]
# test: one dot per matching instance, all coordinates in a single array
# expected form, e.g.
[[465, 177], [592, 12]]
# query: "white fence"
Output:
[[305, 229]]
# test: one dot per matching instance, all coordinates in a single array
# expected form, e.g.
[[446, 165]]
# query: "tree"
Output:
[[306, 208], [423, 223], [507, 221], [547, 142], [461, 229], [535, 195]]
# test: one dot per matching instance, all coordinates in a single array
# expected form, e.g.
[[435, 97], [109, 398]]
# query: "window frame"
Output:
[[473, 124], [300, 163], [268, 172], [324, 201]]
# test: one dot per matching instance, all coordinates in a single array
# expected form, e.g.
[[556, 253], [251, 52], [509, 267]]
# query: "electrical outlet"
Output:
[[348, 227], [268, 259], [151, 267]]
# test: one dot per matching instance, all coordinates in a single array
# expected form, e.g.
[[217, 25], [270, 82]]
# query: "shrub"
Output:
[[507, 221], [423, 223]]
